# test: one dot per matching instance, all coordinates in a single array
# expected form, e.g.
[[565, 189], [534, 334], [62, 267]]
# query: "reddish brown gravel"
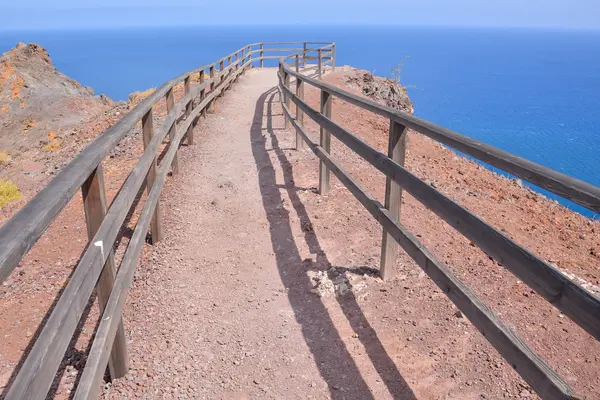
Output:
[[239, 300], [262, 288]]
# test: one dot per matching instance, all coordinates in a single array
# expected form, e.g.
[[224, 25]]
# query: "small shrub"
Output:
[[53, 143], [196, 78], [136, 97], [396, 73], [8, 192]]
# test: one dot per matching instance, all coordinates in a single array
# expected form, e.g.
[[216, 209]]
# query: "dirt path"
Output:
[[226, 306], [222, 308]]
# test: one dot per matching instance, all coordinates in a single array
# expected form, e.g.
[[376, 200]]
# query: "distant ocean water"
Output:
[[534, 93]]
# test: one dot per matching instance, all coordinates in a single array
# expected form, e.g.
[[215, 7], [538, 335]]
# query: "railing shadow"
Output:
[[335, 363]]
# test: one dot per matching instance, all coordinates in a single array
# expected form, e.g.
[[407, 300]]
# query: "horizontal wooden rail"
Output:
[[38, 370], [522, 358], [325, 44], [277, 50], [270, 58], [89, 384], [574, 301], [578, 191], [24, 229]]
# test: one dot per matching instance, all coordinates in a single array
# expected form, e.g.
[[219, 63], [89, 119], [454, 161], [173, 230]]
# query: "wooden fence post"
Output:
[[148, 132], [320, 64], [94, 205], [202, 93], [262, 54], [212, 87], [229, 72], [325, 142], [221, 68], [172, 130], [286, 82], [299, 112], [333, 58], [297, 63], [393, 200], [243, 60], [188, 110], [304, 54]]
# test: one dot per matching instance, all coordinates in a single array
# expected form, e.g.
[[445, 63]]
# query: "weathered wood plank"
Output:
[[262, 54], [36, 375], [325, 142], [393, 200], [229, 70], [188, 109], [275, 58], [522, 358], [276, 50], [202, 92], [38, 370], [147, 134], [299, 113], [333, 58], [170, 97], [574, 301], [304, 54], [212, 85], [23, 230], [89, 383], [578, 191], [94, 205], [286, 43], [221, 68], [320, 64], [286, 80]]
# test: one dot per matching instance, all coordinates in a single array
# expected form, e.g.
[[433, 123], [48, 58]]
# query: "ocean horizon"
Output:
[[531, 92]]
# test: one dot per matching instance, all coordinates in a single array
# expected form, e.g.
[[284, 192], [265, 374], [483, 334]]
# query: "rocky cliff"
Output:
[[36, 99]]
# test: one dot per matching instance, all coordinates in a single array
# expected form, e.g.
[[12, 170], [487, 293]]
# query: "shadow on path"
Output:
[[335, 363]]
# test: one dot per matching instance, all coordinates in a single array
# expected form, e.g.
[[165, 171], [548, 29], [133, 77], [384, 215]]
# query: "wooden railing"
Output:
[[96, 267], [571, 299]]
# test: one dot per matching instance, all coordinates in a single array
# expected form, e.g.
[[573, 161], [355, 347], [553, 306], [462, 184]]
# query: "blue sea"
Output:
[[534, 93]]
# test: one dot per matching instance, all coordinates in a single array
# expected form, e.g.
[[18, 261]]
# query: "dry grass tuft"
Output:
[[136, 97], [8, 192], [53, 143]]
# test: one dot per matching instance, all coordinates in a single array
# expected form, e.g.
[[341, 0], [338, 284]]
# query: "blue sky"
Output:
[[76, 14]]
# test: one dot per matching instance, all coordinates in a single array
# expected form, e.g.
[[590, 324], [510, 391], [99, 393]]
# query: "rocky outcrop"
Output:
[[38, 104], [382, 90]]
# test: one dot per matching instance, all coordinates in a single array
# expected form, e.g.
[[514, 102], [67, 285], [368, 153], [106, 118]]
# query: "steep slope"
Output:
[[45, 119], [35, 98]]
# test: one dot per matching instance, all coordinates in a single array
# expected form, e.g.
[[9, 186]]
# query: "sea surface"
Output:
[[534, 93]]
